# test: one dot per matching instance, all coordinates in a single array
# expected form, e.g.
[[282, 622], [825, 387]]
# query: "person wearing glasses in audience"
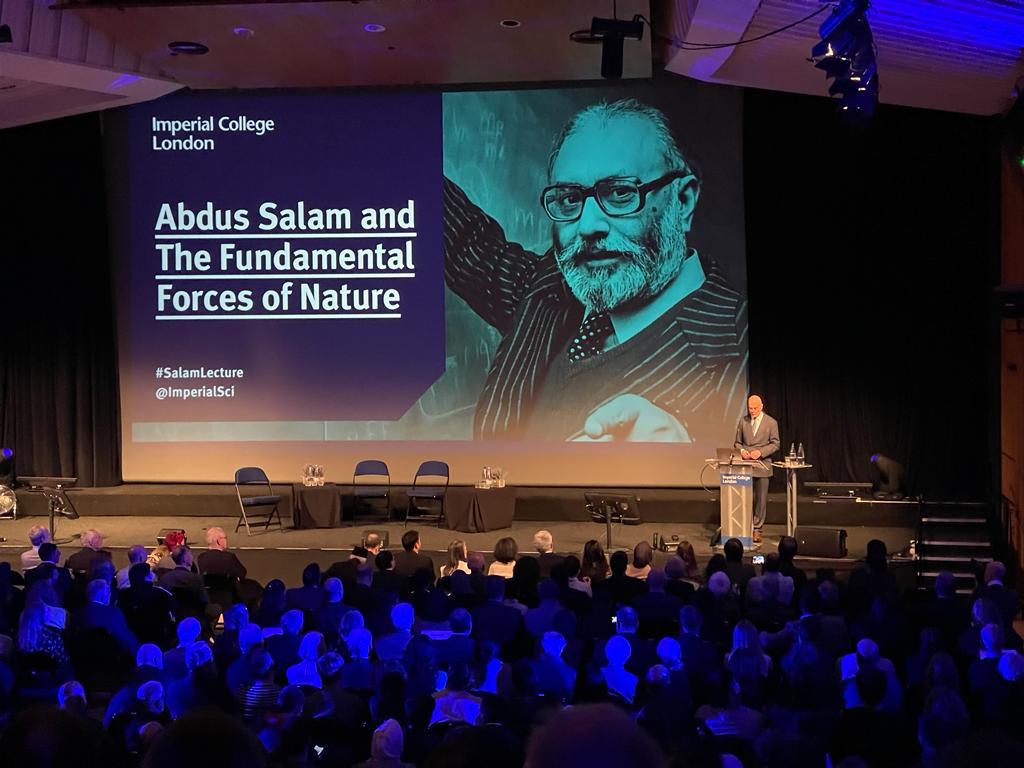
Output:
[[619, 331]]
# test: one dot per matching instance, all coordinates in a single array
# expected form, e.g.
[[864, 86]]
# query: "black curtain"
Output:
[[58, 375], [871, 256]]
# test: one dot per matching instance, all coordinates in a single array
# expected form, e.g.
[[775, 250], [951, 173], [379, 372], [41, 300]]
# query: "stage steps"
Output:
[[955, 537]]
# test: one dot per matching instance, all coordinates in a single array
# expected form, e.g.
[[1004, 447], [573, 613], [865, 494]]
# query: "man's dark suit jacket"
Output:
[[86, 559], [455, 649], [408, 563], [221, 562], [1005, 599], [182, 578], [701, 353], [496, 622], [547, 561], [92, 616]]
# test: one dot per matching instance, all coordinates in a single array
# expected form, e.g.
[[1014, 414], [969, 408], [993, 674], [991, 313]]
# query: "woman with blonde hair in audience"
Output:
[[458, 554], [41, 625], [505, 553]]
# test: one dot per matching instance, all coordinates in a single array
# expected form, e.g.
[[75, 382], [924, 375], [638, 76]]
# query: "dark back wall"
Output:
[[871, 255]]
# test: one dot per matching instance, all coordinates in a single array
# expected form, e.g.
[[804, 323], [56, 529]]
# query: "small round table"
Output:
[[791, 467]]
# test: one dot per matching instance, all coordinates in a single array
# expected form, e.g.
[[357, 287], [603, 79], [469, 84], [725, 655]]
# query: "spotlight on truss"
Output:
[[846, 54]]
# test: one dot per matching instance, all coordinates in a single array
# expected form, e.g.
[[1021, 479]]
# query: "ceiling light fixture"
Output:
[[374, 28], [187, 48], [243, 32], [511, 23], [610, 33]]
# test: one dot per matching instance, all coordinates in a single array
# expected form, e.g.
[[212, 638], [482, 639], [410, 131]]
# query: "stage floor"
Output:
[[283, 553]]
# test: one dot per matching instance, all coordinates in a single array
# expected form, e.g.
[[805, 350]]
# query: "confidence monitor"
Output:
[[611, 508]]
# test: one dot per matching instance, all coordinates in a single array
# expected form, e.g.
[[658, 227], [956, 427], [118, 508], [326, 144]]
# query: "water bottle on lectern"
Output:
[[800, 454], [792, 452]]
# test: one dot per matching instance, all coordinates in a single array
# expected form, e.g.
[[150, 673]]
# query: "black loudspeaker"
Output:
[[820, 542]]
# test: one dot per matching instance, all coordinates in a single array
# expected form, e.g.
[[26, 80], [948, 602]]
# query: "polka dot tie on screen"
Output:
[[589, 340]]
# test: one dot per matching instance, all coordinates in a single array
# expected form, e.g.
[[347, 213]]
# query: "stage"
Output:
[[533, 503], [133, 513]]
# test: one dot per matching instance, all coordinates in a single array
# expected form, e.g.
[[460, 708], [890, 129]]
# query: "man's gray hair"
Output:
[[373, 541], [623, 108], [213, 534], [542, 541], [92, 539], [137, 554], [38, 534]]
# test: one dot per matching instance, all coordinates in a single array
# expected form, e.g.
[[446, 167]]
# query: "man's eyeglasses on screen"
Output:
[[616, 195]]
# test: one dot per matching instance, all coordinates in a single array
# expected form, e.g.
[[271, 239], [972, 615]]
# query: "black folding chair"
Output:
[[259, 507], [429, 487], [371, 480]]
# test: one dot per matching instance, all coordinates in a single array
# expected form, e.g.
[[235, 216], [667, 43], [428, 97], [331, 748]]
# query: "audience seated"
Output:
[[409, 560], [85, 559], [136, 554], [544, 543], [217, 559], [37, 535], [480, 669], [505, 553]]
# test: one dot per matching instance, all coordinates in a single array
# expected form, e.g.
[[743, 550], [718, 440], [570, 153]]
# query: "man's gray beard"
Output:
[[645, 268]]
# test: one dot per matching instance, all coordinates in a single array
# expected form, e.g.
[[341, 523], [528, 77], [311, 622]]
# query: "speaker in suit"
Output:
[[757, 437]]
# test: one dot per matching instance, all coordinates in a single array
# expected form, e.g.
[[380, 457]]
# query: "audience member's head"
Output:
[[292, 621], [139, 575], [312, 646], [675, 569], [71, 696], [506, 550], [592, 735], [387, 743], [593, 555], [995, 572], [384, 560], [335, 590], [188, 630], [495, 587], [49, 553], [359, 642], [690, 619], [98, 591], [684, 551], [182, 556], [543, 541], [618, 563], [656, 581], [92, 539], [411, 541], [373, 542], [772, 563], [945, 584], [719, 584], [402, 617], [990, 641], [38, 535], [136, 554], [571, 567], [627, 622], [643, 554], [149, 655], [250, 636], [311, 575], [553, 643], [617, 650], [669, 652], [476, 562], [733, 550], [460, 621], [788, 548], [216, 538], [206, 738], [877, 554], [198, 655]]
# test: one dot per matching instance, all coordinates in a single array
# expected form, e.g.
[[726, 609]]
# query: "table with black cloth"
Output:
[[476, 510], [316, 506]]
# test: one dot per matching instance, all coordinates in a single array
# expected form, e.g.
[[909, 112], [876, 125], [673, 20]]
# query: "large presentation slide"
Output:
[[550, 281]]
